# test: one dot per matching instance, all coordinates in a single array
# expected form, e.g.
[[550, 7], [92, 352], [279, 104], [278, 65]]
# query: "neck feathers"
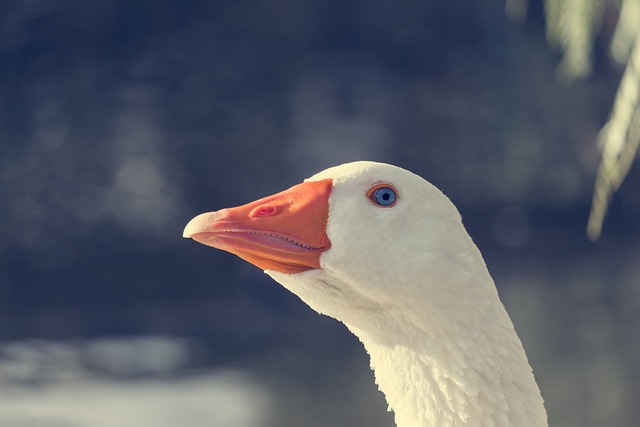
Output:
[[476, 375], [445, 353]]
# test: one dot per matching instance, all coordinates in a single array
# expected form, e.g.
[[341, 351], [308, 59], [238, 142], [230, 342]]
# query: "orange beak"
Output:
[[285, 232]]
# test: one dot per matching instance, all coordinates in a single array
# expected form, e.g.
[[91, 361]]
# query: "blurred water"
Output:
[[124, 382]]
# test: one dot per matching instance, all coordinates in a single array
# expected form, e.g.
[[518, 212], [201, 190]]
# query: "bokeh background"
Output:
[[120, 120]]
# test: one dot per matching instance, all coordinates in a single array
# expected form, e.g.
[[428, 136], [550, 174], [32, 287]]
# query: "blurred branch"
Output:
[[626, 30], [618, 140], [572, 25]]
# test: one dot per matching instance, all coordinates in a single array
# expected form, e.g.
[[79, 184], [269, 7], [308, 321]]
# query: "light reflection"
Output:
[[46, 384]]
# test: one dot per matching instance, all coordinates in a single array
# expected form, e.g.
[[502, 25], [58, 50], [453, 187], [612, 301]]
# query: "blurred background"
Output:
[[121, 120]]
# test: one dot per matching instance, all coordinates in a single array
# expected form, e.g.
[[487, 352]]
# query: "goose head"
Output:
[[385, 252]]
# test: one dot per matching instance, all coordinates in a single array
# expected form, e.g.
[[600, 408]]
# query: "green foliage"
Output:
[[572, 25]]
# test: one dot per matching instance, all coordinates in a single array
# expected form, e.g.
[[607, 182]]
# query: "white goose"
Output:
[[385, 252]]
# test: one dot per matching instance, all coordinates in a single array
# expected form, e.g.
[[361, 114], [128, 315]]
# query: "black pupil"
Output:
[[386, 195]]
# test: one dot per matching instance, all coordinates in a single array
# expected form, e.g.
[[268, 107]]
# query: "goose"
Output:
[[385, 252]]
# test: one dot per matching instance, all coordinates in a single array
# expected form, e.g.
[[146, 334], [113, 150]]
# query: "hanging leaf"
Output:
[[618, 140]]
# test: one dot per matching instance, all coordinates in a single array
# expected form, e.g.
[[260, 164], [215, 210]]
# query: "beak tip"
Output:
[[187, 232], [198, 224]]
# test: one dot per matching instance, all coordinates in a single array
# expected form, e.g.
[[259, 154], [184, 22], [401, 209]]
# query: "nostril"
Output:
[[263, 211]]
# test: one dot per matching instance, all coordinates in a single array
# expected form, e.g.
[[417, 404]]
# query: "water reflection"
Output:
[[122, 382]]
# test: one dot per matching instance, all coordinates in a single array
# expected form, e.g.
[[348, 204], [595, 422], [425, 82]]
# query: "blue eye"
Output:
[[383, 195]]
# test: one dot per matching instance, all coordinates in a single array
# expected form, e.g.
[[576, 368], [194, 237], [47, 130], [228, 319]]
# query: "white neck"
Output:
[[447, 356], [471, 376]]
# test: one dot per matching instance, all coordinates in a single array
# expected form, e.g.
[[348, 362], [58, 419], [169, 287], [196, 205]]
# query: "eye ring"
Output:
[[383, 195]]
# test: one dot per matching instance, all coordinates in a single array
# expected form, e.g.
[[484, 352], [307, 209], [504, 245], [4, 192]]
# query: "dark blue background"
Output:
[[121, 120]]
